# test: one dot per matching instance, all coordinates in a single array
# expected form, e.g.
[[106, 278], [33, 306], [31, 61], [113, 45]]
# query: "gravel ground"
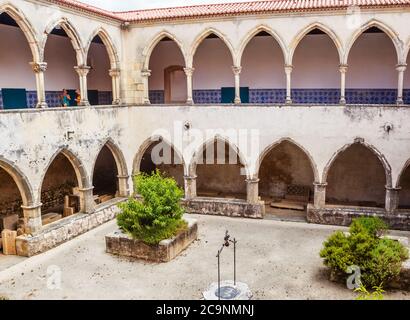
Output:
[[278, 260]]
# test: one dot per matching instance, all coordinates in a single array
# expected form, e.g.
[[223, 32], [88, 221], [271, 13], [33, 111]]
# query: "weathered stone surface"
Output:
[[344, 215], [122, 244], [65, 229], [225, 207]]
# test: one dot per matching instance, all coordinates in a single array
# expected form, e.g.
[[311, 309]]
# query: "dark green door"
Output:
[[228, 94], [14, 98]]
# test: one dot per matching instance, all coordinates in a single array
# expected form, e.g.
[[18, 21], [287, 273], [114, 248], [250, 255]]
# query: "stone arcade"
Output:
[[328, 94]]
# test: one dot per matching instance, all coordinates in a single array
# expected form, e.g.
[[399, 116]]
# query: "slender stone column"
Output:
[[288, 71], [145, 75], [115, 78], [189, 73], [123, 190], [237, 72], [39, 69], [32, 219], [252, 190], [400, 69], [343, 70], [320, 195], [392, 199], [87, 203], [82, 73], [190, 187]]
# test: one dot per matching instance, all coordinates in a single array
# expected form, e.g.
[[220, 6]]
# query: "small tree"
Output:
[[159, 215]]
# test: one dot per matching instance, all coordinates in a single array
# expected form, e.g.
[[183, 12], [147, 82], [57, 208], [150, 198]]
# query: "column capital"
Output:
[[288, 68], [146, 73], [123, 176], [343, 67], [114, 72], [190, 177], [82, 70], [252, 180], [401, 67], [236, 70], [39, 66], [189, 71]]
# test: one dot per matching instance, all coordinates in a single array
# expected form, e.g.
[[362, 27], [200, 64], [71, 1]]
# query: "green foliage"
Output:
[[159, 215], [364, 294], [379, 259], [372, 225]]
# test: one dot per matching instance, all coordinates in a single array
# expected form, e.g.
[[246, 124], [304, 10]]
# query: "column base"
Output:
[[342, 101], [84, 103], [288, 101], [146, 102], [41, 105], [399, 101], [237, 101]]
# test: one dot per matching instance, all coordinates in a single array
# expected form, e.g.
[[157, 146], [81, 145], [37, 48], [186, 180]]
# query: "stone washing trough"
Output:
[[121, 244]]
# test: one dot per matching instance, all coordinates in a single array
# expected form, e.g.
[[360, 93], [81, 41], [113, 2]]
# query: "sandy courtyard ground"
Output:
[[279, 260]]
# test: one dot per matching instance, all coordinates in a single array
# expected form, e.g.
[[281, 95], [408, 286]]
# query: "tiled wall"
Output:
[[207, 96], [156, 96], [104, 97], [312, 96], [53, 98]]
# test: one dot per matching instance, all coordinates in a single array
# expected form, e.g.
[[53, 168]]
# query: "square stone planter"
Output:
[[122, 244]]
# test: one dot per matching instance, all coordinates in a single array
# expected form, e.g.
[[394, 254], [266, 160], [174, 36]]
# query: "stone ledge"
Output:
[[343, 216], [121, 244], [225, 207], [66, 229]]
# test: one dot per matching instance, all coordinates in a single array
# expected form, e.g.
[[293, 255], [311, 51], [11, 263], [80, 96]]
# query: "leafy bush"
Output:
[[159, 215], [379, 259]]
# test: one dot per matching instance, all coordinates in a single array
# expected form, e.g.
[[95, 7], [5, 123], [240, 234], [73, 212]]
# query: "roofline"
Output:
[[117, 15]]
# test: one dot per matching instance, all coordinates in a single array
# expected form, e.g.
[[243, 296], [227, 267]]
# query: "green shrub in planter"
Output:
[[159, 215], [379, 259]]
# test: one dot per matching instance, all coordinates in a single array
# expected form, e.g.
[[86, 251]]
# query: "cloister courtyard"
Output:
[[278, 260]]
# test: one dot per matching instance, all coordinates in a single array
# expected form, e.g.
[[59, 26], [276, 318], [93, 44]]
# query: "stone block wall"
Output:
[[343, 216], [225, 207], [66, 229]]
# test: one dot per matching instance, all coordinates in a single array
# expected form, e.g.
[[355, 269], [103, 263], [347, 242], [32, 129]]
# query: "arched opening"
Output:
[[404, 194], [59, 190], [356, 178], [61, 59], [372, 77], [99, 82], [17, 79], [406, 83], [160, 155], [220, 173], [213, 78], [105, 176], [262, 71], [167, 83], [286, 181], [315, 75], [11, 213]]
